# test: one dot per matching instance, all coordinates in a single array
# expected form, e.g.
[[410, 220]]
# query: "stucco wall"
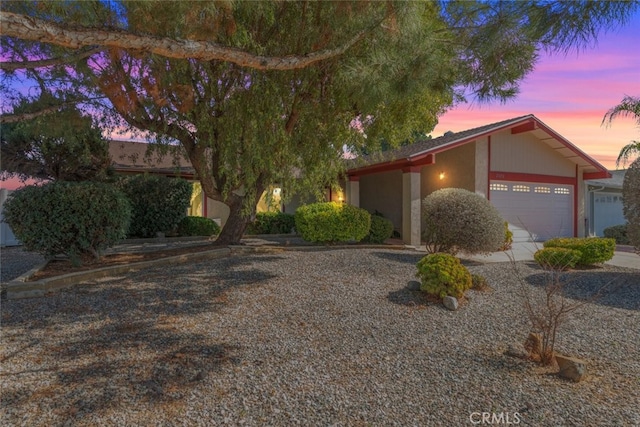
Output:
[[524, 153], [383, 192], [458, 166]]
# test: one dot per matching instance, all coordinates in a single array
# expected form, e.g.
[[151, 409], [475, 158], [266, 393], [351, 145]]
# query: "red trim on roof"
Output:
[[596, 175], [525, 127], [354, 178], [411, 169]]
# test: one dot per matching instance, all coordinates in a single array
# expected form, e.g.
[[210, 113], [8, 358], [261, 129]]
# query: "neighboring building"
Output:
[[604, 203], [531, 174], [7, 238]]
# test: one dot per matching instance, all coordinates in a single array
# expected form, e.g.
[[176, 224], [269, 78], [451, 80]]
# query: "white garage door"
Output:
[[537, 211], [607, 211]]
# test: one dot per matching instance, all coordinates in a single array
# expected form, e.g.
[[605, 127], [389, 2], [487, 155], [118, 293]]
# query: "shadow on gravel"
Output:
[[609, 288], [409, 298], [138, 340], [407, 258]]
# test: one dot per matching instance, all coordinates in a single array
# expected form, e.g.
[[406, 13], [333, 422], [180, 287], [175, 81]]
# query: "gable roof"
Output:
[[137, 157], [423, 152]]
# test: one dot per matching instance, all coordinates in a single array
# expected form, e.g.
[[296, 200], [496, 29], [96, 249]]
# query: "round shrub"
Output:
[[618, 233], [479, 282], [442, 274], [381, 229], [330, 222], [70, 218], [631, 203], [557, 258], [593, 250], [272, 223], [158, 203], [459, 220], [198, 226]]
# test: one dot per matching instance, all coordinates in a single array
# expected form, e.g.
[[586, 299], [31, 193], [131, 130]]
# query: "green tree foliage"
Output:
[[71, 218], [64, 145], [631, 203], [629, 107], [455, 220], [158, 203], [264, 92]]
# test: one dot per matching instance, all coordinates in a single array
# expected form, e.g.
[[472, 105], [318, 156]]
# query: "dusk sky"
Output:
[[571, 94]]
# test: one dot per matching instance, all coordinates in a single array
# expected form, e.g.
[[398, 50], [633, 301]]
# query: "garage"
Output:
[[535, 211]]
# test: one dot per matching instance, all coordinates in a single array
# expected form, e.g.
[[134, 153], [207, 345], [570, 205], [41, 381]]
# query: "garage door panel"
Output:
[[534, 211]]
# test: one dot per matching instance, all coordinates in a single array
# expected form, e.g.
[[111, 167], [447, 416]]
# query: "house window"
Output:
[[545, 190], [561, 190], [521, 188], [499, 187]]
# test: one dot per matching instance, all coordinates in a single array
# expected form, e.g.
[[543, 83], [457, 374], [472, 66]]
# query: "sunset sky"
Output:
[[571, 94]]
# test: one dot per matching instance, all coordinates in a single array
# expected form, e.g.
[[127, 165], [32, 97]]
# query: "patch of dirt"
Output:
[[60, 267]]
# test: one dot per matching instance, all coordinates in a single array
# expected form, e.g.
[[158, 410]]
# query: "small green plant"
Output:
[[557, 258], [618, 233], [330, 222], [508, 237], [381, 229], [70, 218], [479, 282], [593, 250], [198, 226], [272, 223], [442, 274]]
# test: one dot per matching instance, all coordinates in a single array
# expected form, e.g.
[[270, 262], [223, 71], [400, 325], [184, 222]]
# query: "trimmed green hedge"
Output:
[[158, 203], [442, 274], [331, 222], [272, 223], [593, 250], [70, 218], [557, 258], [380, 230], [198, 226]]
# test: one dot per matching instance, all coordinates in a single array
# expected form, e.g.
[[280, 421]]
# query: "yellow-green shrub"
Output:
[[593, 250], [330, 222], [381, 229], [557, 258], [442, 274]]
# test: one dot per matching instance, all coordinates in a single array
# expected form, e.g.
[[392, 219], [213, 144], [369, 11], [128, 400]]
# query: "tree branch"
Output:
[[21, 65], [13, 118], [34, 29]]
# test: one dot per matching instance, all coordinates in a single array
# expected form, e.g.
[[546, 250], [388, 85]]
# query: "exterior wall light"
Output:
[[277, 191], [441, 175]]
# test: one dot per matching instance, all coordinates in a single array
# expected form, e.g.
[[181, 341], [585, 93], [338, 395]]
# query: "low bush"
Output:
[[272, 223], [198, 226], [380, 230], [330, 222], [508, 237], [71, 218], [479, 282], [618, 233], [593, 250], [442, 274], [158, 203], [459, 220], [557, 258]]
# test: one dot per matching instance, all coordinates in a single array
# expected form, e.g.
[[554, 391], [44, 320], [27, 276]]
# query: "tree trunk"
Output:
[[236, 224]]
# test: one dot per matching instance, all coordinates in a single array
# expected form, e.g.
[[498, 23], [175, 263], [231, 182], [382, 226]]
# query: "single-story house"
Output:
[[534, 177], [7, 238], [604, 202]]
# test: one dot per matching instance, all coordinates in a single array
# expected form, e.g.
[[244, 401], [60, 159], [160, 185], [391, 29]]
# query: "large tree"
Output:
[[264, 92]]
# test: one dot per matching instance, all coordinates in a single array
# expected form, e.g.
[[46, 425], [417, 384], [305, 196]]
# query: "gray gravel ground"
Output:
[[322, 338], [14, 262]]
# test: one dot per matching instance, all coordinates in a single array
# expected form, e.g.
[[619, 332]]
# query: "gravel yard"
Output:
[[313, 338]]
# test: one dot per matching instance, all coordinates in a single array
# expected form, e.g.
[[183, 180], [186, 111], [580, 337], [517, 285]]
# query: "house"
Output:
[[604, 202], [531, 174], [131, 157], [7, 238]]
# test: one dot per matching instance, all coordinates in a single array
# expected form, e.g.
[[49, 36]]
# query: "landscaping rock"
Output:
[[516, 349], [571, 368], [413, 285], [451, 303]]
